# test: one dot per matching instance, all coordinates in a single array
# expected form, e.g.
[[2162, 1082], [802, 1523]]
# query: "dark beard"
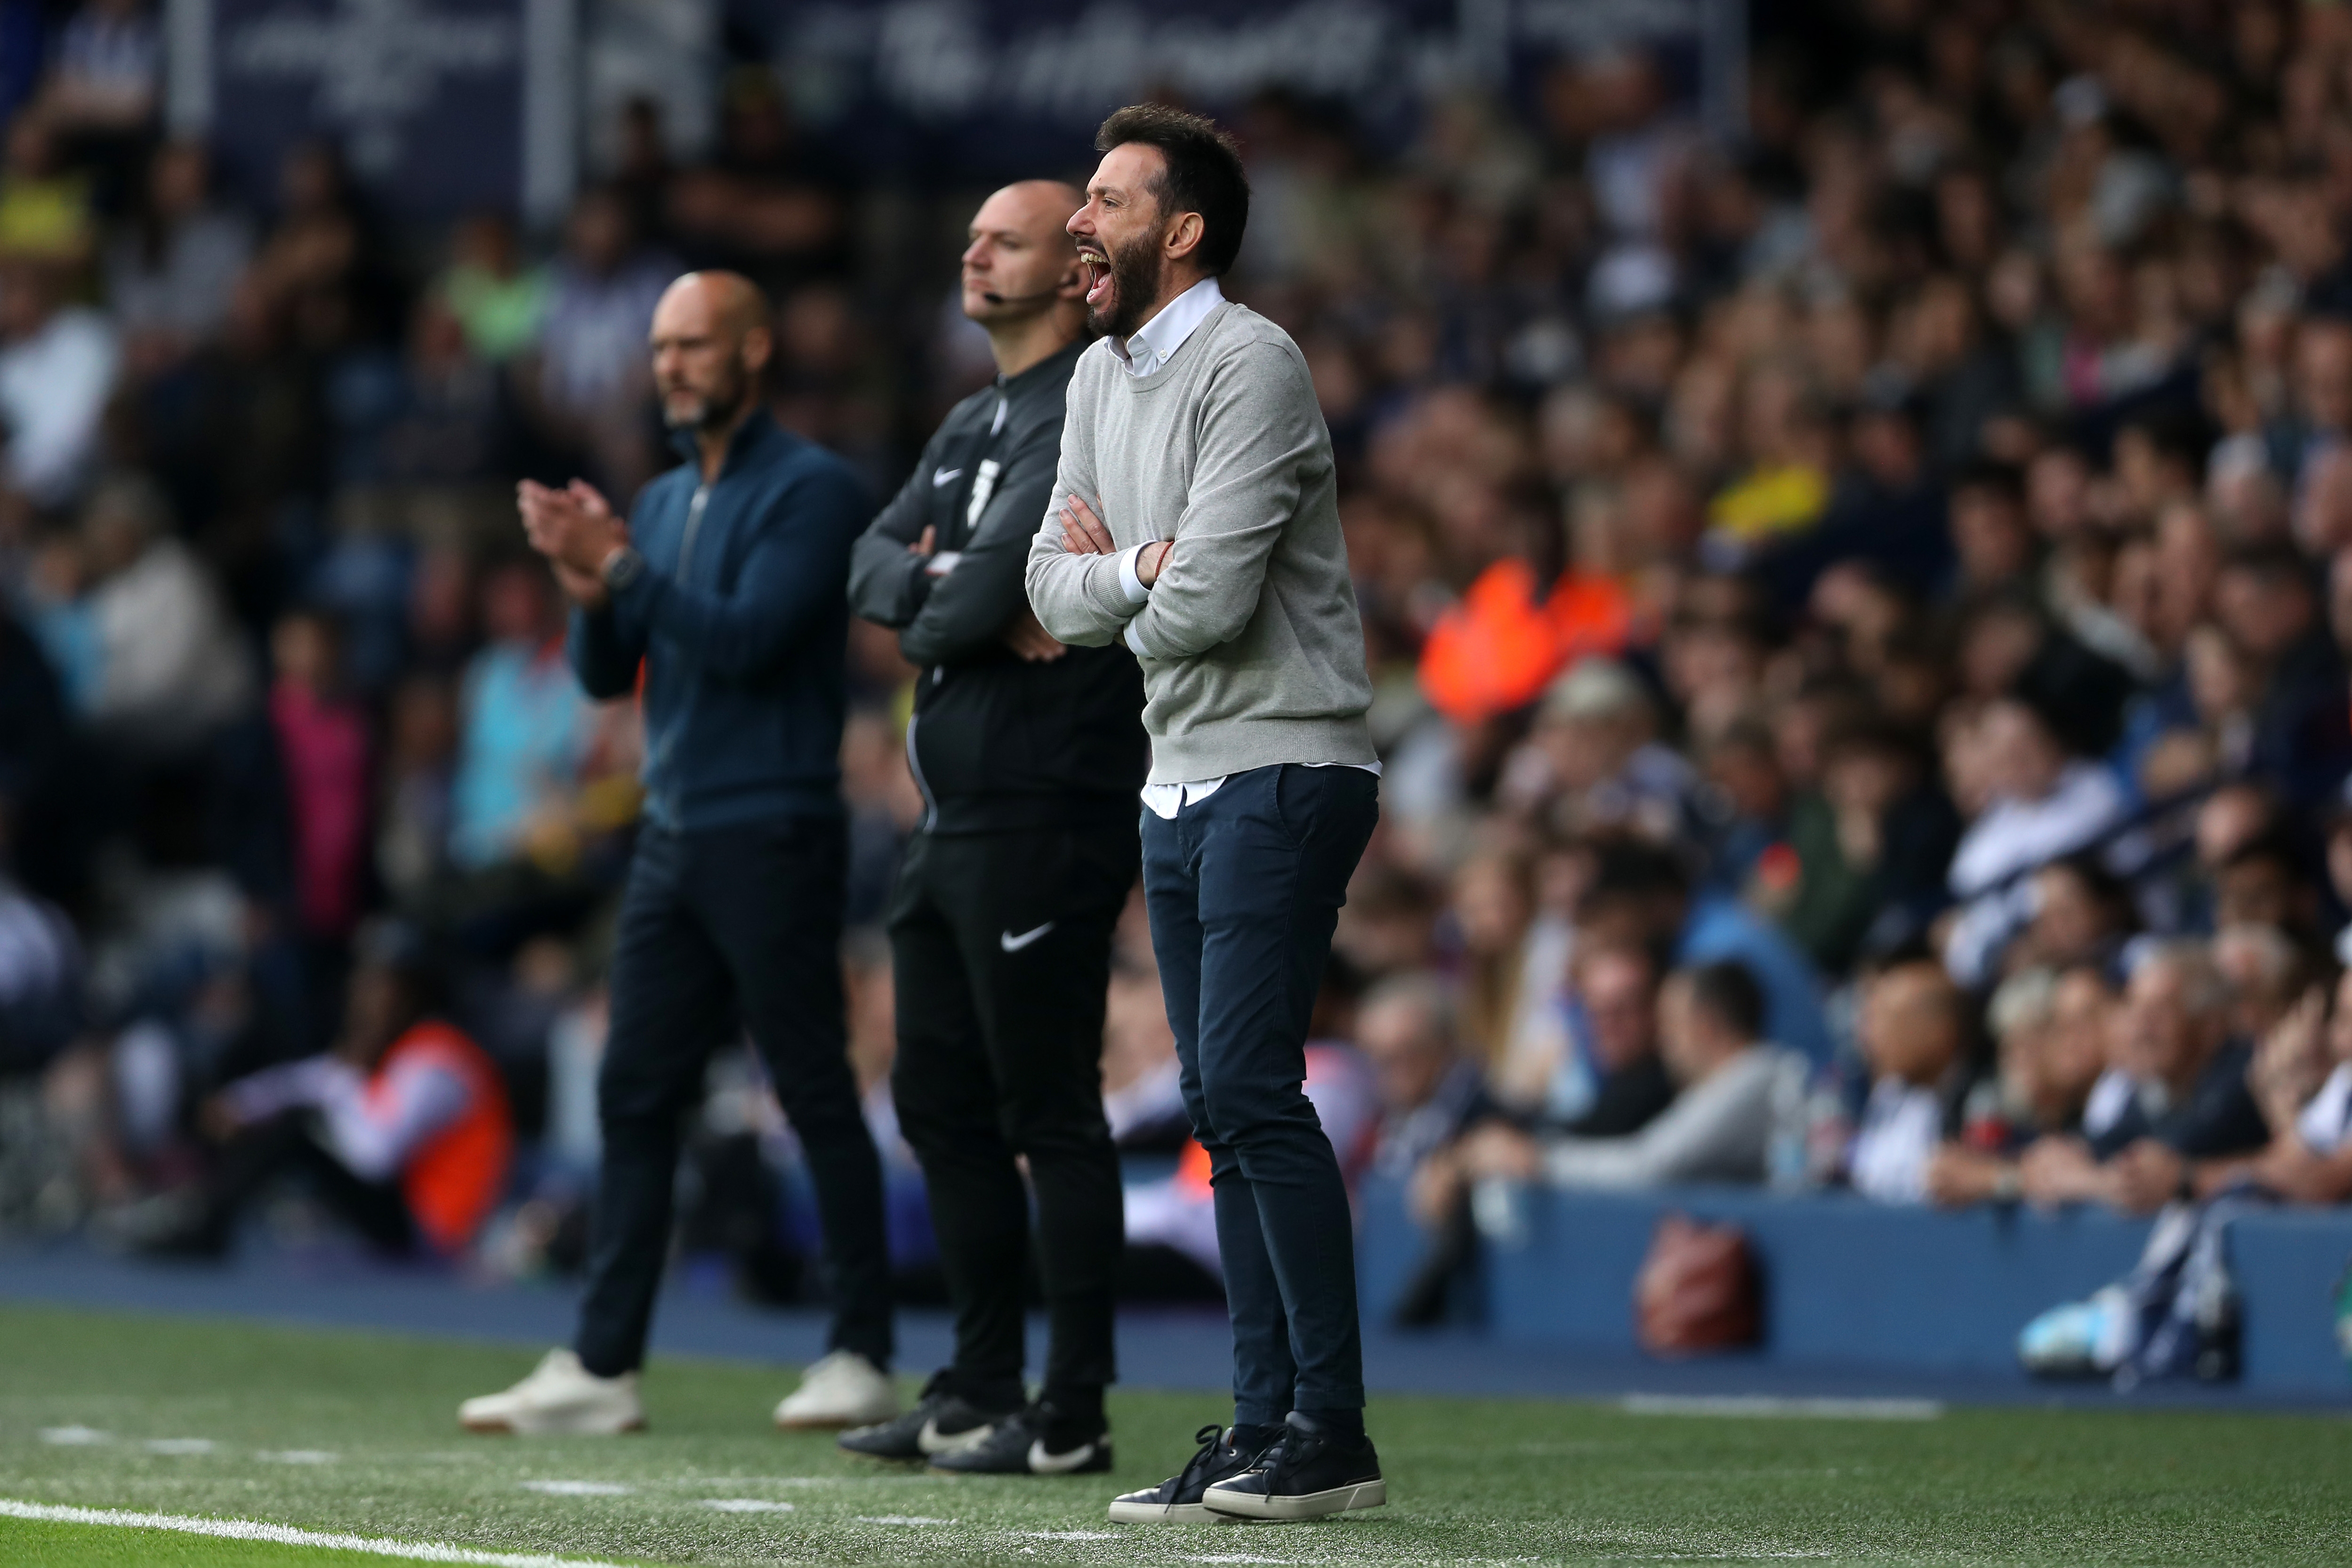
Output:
[[1132, 286], [719, 409]]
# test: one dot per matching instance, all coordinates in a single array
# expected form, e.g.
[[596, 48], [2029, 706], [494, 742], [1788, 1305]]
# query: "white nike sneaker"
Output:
[[559, 1396], [842, 1389]]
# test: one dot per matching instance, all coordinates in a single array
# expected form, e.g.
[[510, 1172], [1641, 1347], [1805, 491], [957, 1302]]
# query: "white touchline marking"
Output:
[[74, 1436], [295, 1456], [747, 1505], [1071, 1534], [579, 1488], [179, 1445], [287, 1535], [900, 1519], [1233, 1557], [1771, 1405]]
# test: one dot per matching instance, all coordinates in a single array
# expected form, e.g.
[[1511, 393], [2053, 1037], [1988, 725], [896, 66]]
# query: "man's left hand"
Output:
[[574, 528], [1083, 533]]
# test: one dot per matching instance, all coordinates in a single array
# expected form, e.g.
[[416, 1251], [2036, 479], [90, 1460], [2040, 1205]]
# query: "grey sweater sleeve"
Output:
[[1714, 1131], [1261, 431], [1076, 597]]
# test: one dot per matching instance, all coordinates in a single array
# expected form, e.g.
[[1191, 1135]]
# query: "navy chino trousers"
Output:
[[1243, 889]]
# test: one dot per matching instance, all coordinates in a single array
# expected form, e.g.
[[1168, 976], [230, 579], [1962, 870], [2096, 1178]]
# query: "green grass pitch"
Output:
[[354, 1434]]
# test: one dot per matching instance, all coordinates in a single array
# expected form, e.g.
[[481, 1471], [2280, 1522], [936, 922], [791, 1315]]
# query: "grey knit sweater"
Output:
[[1251, 650]]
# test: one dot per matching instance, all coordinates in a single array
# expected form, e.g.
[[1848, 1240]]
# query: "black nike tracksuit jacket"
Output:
[[998, 743], [1000, 925]]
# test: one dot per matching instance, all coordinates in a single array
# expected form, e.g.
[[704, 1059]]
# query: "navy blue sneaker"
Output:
[[1309, 1473], [1177, 1500]]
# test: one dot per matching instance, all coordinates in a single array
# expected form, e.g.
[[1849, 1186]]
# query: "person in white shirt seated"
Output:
[[1915, 1032], [1731, 1085], [2043, 805]]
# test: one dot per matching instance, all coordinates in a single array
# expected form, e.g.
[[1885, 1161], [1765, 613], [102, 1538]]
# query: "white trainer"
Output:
[[842, 1389], [559, 1396]]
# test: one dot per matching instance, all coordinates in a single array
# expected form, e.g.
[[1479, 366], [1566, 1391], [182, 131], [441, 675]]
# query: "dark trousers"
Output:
[[1244, 888], [287, 1144], [1001, 956], [727, 929]]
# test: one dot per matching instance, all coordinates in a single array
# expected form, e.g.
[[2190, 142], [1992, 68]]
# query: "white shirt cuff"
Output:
[[1129, 582], [1128, 637], [942, 563]]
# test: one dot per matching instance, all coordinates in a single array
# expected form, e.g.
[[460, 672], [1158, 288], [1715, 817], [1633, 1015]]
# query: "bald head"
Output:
[[726, 301], [710, 341], [1021, 275]]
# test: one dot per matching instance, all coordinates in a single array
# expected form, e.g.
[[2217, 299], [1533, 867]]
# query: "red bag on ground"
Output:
[[1697, 1290]]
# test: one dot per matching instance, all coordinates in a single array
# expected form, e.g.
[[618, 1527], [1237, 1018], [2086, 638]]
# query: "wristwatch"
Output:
[[621, 568]]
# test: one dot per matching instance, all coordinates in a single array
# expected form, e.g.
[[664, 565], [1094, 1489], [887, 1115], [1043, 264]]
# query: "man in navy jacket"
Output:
[[728, 587]]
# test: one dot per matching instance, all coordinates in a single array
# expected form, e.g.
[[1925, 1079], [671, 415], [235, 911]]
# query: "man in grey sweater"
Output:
[[1196, 519]]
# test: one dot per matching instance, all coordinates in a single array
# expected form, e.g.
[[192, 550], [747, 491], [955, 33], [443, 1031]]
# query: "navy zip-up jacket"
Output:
[[741, 618]]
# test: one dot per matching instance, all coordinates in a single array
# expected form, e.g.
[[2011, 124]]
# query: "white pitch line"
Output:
[[286, 1535], [1772, 1405]]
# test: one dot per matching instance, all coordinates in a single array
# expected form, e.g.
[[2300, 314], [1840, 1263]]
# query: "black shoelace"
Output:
[[1211, 1438]]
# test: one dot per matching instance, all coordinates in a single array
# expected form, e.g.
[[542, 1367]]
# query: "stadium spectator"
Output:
[[57, 365], [402, 1130], [2037, 803], [166, 664], [524, 724], [1730, 1082], [1642, 897], [1603, 1077], [1428, 1091], [324, 750], [1915, 1038], [2175, 1094], [173, 269], [2052, 1035]]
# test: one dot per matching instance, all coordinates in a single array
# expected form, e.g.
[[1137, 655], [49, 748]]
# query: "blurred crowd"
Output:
[[1859, 612]]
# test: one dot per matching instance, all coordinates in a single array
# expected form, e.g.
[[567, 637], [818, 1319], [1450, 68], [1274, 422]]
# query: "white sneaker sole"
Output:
[[1308, 1505], [831, 1423], [1125, 1512], [506, 1426]]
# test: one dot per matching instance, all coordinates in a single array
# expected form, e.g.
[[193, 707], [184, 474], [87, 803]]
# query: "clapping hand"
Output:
[[576, 530]]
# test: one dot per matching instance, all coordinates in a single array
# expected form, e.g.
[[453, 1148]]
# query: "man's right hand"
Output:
[[1030, 640]]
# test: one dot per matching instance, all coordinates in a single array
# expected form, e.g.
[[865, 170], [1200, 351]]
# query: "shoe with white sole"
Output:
[[841, 1389], [1177, 1500], [559, 1396], [941, 1421], [1312, 1472], [1032, 1442]]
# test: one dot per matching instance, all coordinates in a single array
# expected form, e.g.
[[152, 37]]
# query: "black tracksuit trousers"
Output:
[[722, 930], [1000, 944]]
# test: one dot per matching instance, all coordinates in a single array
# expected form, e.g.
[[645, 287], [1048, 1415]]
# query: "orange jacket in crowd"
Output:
[[1498, 648]]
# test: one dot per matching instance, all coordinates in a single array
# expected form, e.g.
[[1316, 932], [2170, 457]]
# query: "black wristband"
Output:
[[621, 568]]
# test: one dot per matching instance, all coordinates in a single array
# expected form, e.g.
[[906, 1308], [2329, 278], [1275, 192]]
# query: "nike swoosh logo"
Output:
[[1042, 1463], [932, 1441], [1013, 943], [942, 477]]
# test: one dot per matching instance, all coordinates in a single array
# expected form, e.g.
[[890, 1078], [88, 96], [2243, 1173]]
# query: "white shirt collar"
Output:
[[1157, 340]]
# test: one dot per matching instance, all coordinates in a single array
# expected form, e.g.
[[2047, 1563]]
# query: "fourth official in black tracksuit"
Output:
[[1000, 926]]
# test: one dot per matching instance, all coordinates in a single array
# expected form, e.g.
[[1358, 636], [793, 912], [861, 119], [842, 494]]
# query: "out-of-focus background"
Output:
[[1857, 488]]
